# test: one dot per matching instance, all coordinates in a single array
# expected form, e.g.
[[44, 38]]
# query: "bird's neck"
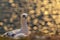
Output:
[[24, 23], [24, 27]]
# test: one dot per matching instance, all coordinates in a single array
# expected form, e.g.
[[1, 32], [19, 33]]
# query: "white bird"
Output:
[[22, 32]]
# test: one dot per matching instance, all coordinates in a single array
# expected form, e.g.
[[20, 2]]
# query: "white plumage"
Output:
[[22, 32]]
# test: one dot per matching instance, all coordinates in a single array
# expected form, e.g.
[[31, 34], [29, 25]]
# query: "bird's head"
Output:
[[24, 15]]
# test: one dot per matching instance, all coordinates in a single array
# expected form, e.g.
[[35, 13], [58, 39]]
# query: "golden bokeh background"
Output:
[[43, 15]]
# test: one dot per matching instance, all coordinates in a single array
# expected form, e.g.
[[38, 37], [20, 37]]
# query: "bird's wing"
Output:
[[15, 31]]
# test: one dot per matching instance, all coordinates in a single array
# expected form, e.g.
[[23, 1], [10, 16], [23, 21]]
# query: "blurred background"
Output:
[[43, 15]]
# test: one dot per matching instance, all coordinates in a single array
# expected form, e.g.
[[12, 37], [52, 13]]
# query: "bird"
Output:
[[21, 32]]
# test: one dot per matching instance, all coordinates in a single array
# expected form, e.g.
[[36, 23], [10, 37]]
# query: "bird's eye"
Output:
[[24, 16]]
